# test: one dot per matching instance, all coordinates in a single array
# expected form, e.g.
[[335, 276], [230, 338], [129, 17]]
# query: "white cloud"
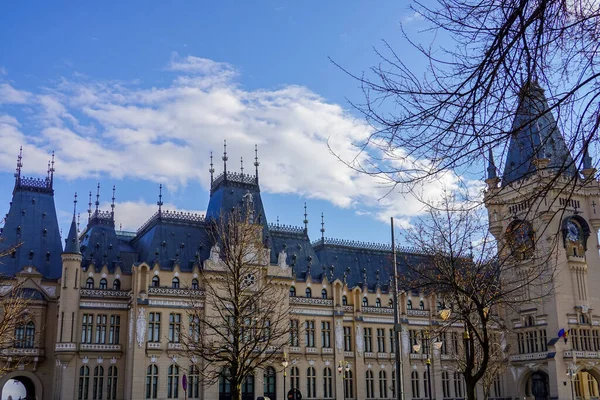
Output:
[[165, 134], [10, 95]]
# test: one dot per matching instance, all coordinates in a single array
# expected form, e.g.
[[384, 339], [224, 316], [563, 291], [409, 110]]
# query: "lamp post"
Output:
[[399, 394], [343, 366], [437, 345], [285, 364], [571, 373]]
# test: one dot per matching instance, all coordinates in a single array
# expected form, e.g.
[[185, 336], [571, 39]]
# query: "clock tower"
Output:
[[545, 214]]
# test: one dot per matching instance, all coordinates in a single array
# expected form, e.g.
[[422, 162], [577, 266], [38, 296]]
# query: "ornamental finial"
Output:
[[256, 163], [212, 169], [159, 203], [242, 165], [97, 197], [19, 165], [52, 170], [224, 158], [305, 219], [322, 228], [90, 207], [74, 206], [112, 204]]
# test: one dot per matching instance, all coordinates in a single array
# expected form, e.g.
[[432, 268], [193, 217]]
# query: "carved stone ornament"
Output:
[[339, 336], [405, 341], [360, 342], [215, 253], [584, 309], [282, 259], [130, 329], [141, 327]]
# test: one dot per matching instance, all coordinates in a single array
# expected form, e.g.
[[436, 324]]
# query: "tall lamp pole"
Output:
[[285, 365], [397, 326]]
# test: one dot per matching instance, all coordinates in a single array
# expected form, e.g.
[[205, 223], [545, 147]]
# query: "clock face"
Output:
[[573, 233]]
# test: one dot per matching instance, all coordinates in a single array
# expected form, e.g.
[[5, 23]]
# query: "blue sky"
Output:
[[138, 94]]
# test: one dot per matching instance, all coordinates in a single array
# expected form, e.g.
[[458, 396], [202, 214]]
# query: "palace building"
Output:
[[106, 305]]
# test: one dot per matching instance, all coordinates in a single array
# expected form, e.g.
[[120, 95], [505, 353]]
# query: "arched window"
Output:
[[426, 384], [292, 291], [269, 382], [89, 284], [194, 383], [583, 319], [324, 293], [409, 304], [445, 384], [498, 386], [103, 284], [224, 384], [529, 321], [421, 305], [311, 383], [414, 381], [84, 383], [173, 382], [308, 292], [111, 388], [344, 301], [20, 336], [175, 283], [116, 284], [390, 303], [370, 384], [29, 335], [327, 383], [378, 303], [365, 302], [348, 385], [383, 385], [458, 384], [152, 382], [294, 378], [248, 387], [195, 285], [98, 384], [155, 281]]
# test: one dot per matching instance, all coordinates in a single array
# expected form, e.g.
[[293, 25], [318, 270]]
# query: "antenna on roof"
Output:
[[112, 205], [225, 158], [19, 164], [90, 207], [159, 203], [322, 229], [97, 197], [242, 165], [212, 169], [256, 163], [305, 219]]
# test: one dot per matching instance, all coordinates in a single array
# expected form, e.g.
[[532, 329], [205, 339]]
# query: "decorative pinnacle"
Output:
[[112, 205], [491, 169], [225, 157], [97, 196], [19, 163], [322, 228], [305, 219], [52, 170], [90, 207], [212, 169], [256, 163], [242, 165], [78, 216], [587, 160], [74, 206], [159, 203]]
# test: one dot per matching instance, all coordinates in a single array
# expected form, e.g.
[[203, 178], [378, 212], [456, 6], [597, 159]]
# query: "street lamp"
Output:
[[285, 364], [343, 366], [572, 373], [437, 345]]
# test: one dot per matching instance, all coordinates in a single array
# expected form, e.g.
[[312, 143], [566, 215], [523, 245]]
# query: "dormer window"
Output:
[[308, 292], [175, 283], [409, 304], [378, 303], [292, 291], [155, 281], [47, 256], [103, 284], [344, 301], [116, 284], [421, 305], [31, 255], [89, 283], [195, 285], [365, 302], [324, 293]]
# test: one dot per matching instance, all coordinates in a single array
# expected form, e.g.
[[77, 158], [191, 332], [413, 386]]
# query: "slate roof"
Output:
[[535, 135]]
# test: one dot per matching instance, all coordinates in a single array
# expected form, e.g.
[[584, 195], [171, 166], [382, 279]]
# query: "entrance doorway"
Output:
[[585, 386], [538, 386]]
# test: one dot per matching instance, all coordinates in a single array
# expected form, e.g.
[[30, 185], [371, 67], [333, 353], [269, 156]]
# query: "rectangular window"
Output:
[[595, 338], [101, 329], [87, 322], [310, 333], [194, 328], [392, 341], [325, 334], [115, 329], [154, 327], [368, 340], [444, 349], [347, 338], [454, 338], [294, 333], [174, 327], [381, 340], [412, 336]]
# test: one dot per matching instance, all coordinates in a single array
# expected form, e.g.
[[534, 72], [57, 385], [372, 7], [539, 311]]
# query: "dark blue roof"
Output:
[[300, 252], [72, 240], [535, 135], [31, 222]]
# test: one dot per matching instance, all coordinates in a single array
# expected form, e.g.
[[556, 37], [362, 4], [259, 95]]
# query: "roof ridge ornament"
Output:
[[160, 203], [224, 158], [305, 220], [256, 163], [322, 229], [90, 208], [212, 169], [242, 165], [112, 205], [19, 164], [97, 197]]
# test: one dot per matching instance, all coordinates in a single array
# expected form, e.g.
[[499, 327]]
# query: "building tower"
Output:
[[542, 210]]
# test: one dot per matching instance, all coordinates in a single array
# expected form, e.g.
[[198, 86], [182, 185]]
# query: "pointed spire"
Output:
[[159, 203], [587, 160], [78, 223], [322, 229], [256, 163], [19, 165], [212, 169], [97, 197], [72, 241], [242, 165], [491, 169], [52, 170], [90, 207], [225, 158], [48, 172], [112, 205], [305, 219]]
